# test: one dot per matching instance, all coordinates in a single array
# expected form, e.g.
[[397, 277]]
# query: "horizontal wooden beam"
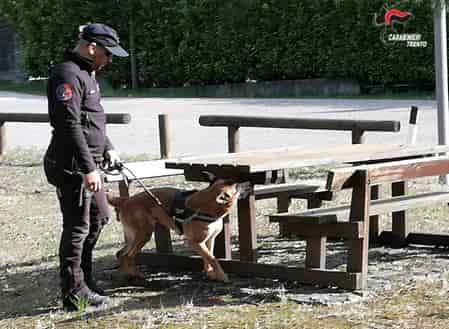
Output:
[[114, 118], [377, 207], [389, 171], [425, 239], [353, 230], [320, 277], [292, 190], [298, 123]]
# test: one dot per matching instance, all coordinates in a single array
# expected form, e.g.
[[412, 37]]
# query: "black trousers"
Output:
[[84, 216]]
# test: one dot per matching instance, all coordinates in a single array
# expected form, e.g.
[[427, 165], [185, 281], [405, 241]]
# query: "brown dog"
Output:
[[204, 210]]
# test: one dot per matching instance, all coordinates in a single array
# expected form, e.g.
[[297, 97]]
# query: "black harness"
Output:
[[182, 214]]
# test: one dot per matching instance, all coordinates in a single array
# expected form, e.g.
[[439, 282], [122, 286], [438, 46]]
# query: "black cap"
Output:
[[105, 36]]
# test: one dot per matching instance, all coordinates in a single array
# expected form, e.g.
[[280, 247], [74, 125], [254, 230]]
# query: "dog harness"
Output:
[[182, 214]]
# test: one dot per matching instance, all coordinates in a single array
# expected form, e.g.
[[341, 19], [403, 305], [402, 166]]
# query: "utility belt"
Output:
[[58, 176]]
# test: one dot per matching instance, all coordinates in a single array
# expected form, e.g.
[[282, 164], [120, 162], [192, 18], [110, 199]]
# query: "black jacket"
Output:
[[79, 123]]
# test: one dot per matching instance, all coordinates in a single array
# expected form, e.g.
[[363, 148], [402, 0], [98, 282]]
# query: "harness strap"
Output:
[[183, 215]]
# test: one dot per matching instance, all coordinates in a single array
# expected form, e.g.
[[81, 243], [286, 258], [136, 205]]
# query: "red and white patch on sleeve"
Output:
[[64, 92]]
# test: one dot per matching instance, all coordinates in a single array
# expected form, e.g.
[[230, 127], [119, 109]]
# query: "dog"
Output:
[[202, 212]]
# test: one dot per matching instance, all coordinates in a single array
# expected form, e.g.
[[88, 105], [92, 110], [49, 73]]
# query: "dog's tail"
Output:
[[116, 202]]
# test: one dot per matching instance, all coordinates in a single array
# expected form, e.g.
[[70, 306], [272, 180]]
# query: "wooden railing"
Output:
[[111, 118], [233, 122]]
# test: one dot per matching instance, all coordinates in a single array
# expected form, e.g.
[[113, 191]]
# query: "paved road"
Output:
[[141, 136]]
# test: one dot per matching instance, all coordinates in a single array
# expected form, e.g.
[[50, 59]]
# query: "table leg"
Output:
[[399, 218], [223, 241], [374, 220], [247, 228], [316, 246]]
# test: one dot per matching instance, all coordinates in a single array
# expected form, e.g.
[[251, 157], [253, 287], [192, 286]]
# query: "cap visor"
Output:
[[117, 51]]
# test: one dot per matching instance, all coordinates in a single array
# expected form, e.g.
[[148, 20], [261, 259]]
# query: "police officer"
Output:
[[78, 146]]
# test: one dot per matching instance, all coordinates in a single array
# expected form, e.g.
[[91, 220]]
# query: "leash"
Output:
[[120, 167]]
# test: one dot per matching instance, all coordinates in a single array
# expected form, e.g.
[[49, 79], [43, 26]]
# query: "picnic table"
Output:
[[267, 167]]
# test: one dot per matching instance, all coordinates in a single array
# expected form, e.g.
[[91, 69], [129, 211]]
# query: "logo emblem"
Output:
[[392, 17], [393, 22], [64, 92]]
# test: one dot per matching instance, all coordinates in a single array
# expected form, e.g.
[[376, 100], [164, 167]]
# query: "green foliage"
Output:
[[196, 42]]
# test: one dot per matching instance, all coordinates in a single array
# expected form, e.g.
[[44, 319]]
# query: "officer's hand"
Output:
[[92, 181], [112, 157]]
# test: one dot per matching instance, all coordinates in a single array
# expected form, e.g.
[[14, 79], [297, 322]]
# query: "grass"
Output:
[[38, 87]]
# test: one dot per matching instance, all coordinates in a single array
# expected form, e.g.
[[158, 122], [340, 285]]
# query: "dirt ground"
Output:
[[408, 288]]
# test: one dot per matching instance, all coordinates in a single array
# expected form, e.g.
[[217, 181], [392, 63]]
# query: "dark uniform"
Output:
[[77, 147]]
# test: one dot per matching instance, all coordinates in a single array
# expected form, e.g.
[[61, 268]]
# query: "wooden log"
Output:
[[164, 136], [233, 139], [297, 123], [114, 118], [358, 136], [320, 277]]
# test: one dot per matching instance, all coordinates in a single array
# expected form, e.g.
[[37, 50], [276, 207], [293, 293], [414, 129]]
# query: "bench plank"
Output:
[[341, 213], [341, 178], [291, 190]]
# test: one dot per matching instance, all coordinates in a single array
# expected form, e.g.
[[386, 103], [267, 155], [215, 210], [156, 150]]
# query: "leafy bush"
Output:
[[198, 42]]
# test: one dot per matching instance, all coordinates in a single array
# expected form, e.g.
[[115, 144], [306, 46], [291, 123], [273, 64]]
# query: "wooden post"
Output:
[[223, 240], [164, 136], [399, 218], [283, 204], [358, 249], [2, 137], [316, 246], [162, 236], [247, 228], [358, 136], [233, 139]]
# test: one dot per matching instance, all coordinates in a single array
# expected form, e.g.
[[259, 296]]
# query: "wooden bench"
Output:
[[351, 222]]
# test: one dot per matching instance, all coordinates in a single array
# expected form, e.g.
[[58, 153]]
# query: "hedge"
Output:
[[200, 42]]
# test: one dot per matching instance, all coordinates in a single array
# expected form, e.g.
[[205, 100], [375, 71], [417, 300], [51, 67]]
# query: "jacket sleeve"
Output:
[[68, 95]]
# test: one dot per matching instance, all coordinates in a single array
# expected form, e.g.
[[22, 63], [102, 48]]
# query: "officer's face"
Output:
[[101, 57]]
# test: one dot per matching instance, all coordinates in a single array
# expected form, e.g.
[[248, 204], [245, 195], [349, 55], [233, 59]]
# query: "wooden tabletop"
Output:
[[297, 157]]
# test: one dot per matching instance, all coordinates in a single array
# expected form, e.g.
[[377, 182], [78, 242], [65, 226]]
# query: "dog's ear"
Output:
[[211, 177]]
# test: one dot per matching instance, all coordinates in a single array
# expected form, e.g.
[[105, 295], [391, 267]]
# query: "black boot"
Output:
[[76, 301], [92, 284]]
